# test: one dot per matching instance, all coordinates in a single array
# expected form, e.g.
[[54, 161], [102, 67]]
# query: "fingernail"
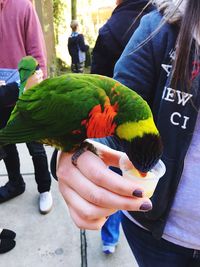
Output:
[[137, 193], [146, 206]]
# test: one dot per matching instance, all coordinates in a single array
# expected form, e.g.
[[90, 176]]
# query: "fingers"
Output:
[[85, 214], [92, 192], [100, 196], [97, 172], [84, 224]]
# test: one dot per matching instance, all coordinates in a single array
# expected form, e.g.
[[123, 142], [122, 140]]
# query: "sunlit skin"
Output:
[[36, 78], [91, 197]]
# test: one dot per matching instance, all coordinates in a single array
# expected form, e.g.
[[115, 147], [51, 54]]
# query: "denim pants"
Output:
[[110, 230], [39, 158], [150, 252]]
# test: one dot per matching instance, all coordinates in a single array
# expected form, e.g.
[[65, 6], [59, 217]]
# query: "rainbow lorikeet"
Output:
[[65, 110]]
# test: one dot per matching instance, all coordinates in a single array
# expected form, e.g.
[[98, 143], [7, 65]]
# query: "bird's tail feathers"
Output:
[[17, 131]]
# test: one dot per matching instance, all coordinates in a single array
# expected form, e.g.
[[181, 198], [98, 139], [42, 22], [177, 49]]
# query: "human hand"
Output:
[[93, 192], [36, 78]]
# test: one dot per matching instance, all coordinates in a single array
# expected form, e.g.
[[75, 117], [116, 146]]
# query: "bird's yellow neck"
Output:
[[130, 130]]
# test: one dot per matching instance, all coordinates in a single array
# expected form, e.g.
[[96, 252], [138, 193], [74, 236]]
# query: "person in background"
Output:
[[110, 43], [161, 63], [20, 36], [77, 48], [8, 96]]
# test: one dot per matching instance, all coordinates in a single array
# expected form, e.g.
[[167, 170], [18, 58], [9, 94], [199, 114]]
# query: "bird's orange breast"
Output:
[[100, 121]]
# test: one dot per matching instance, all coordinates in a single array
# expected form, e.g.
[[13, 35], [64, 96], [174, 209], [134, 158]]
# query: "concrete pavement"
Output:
[[51, 240]]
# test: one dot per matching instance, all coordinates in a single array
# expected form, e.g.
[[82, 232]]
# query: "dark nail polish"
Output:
[[146, 206], [137, 193]]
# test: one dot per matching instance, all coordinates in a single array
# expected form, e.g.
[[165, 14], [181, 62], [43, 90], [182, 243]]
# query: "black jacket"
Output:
[[8, 97], [115, 34], [74, 44]]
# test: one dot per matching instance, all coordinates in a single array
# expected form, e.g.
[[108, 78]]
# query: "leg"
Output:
[[2, 153], [13, 164], [15, 185], [74, 68], [151, 252], [39, 157], [110, 233], [42, 175], [80, 67]]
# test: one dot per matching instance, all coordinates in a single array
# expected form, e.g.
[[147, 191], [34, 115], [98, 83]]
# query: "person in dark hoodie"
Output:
[[110, 43], [115, 34]]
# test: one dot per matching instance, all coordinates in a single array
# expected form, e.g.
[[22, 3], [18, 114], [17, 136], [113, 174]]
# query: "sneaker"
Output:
[[108, 249], [6, 233], [45, 202], [6, 245], [10, 190]]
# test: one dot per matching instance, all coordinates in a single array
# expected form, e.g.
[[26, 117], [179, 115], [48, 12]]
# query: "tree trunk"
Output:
[[73, 9]]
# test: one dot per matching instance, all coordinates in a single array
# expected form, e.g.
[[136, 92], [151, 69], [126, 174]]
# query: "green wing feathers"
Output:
[[55, 111], [16, 131]]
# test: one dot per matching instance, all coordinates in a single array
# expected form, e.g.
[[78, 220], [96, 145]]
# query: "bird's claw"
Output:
[[85, 146]]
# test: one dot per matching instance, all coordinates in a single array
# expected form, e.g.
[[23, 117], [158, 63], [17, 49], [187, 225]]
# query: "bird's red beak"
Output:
[[143, 174]]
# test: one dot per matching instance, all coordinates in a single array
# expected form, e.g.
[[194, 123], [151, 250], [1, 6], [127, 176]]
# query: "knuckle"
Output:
[[60, 173], [87, 215], [96, 198], [98, 176], [129, 206]]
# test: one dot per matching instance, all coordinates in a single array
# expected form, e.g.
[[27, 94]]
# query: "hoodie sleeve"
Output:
[[34, 39], [140, 63], [104, 54], [135, 68]]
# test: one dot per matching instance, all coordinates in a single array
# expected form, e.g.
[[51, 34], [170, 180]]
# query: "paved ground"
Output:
[[51, 240]]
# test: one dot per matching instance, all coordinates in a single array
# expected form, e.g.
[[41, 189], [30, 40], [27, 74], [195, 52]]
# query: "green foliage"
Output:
[[58, 16], [74, 8]]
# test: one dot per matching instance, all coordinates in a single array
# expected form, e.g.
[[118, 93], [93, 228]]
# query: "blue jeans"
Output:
[[150, 252], [110, 230]]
